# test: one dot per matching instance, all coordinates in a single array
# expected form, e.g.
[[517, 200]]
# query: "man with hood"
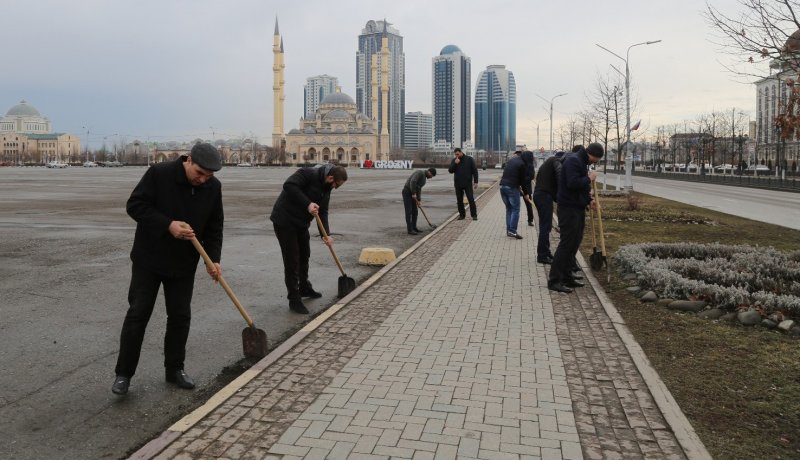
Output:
[[514, 184], [574, 195], [544, 195], [305, 194], [527, 156]]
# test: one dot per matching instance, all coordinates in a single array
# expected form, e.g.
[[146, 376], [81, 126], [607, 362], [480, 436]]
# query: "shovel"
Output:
[[254, 340], [528, 200], [596, 259], [346, 284], [604, 258], [426, 217]]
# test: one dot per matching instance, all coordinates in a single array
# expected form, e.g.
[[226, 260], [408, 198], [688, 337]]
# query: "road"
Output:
[[64, 274], [780, 208]]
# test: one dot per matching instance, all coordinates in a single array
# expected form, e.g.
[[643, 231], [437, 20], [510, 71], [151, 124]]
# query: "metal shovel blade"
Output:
[[254, 342], [596, 260], [346, 285]]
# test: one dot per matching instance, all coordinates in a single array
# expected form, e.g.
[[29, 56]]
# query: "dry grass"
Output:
[[739, 387]]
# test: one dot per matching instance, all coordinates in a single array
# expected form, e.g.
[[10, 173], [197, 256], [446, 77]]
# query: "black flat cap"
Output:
[[206, 156]]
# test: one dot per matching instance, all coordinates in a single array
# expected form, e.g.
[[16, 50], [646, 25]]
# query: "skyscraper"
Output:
[[451, 96], [314, 92], [368, 56], [496, 110], [417, 131]]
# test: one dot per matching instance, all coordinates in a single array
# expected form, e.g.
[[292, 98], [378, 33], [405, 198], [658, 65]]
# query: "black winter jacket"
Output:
[[515, 174], [162, 195], [574, 186], [464, 173], [305, 186], [547, 176]]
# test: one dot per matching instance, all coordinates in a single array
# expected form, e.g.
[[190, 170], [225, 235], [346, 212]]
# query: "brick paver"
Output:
[[459, 351]]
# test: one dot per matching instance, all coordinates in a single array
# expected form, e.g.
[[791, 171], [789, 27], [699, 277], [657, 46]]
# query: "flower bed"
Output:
[[729, 277]]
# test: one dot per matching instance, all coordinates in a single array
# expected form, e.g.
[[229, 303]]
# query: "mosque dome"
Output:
[[23, 110], [450, 49], [792, 44], [338, 99], [337, 115]]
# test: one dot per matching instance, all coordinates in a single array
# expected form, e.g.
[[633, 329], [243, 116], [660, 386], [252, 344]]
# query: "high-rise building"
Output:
[[314, 92], [371, 66], [417, 131], [451, 96], [496, 110]]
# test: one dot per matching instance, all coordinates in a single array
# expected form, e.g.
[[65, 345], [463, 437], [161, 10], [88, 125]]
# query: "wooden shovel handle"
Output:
[[225, 286], [599, 219], [426, 215], [325, 235], [594, 236]]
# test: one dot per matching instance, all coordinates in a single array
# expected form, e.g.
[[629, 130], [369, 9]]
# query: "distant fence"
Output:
[[791, 183]]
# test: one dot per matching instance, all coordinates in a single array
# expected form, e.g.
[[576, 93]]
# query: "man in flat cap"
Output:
[[173, 202]]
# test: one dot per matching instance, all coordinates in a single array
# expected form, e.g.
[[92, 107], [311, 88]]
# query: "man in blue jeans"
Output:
[[512, 182]]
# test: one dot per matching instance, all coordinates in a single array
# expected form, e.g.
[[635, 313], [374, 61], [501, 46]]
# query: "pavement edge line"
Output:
[[674, 416], [155, 446]]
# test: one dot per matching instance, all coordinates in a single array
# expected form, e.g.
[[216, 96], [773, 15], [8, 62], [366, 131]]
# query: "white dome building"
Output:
[[26, 137], [24, 118]]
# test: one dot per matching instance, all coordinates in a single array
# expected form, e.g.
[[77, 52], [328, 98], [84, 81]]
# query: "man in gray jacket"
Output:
[[412, 197]]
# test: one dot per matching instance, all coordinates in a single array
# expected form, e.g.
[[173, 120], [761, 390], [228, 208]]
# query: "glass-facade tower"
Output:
[[496, 110], [314, 92], [369, 43], [451, 96]]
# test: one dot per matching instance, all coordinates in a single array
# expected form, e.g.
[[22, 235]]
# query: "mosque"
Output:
[[337, 133], [27, 138]]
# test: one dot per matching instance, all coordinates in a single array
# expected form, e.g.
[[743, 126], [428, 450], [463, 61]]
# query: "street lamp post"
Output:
[[628, 153], [551, 115]]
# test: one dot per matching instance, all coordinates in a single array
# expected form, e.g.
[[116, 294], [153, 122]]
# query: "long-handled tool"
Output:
[[254, 340], [426, 217], [346, 284], [528, 200], [596, 259], [602, 233]]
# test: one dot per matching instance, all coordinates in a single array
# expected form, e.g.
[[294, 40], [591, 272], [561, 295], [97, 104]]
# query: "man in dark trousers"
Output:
[[306, 193], [574, 194], [465, 179], [412, 197], [514, 184], [531, 171], [173, 202], [544, 195]]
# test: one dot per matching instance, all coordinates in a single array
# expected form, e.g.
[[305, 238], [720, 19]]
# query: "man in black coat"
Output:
[[305, 194], [173, 202], [544, 195], [574, 195], [465, 179]]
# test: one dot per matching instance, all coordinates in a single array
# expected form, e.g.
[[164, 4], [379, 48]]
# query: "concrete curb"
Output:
[[155, 446]]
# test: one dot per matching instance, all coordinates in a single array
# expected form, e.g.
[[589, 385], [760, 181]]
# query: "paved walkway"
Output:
[[457, 350]]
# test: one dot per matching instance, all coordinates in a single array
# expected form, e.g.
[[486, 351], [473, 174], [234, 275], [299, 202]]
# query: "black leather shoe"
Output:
[[121, 384], [574, 284], [298, 307], [576, 275], [460, 217], [180, 378], [558, 287], [413, 232], [514, 235], [474, 217], [310, 292], [530, 223], [418, 230], [546, 260]]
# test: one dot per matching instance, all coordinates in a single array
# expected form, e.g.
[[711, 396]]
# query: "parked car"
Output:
[[89, 164], [758, 168], [724, 168], [57, 165], [244, 165], [112, 164]]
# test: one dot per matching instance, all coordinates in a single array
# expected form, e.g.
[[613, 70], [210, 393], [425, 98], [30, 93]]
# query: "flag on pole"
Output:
[[636, 126]]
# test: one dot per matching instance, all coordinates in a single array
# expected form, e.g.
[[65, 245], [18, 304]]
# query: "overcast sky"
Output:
[[176, 70]]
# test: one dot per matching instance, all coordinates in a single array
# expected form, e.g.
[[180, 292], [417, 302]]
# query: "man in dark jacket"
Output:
[[527, 156], [544, 195], [513, 184], [305, 194], [173, 202], [412, 197], [574, 194], [465, 179]]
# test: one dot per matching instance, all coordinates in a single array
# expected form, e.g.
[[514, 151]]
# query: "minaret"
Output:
[[374, 97], [384, 152], [277, 88]]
